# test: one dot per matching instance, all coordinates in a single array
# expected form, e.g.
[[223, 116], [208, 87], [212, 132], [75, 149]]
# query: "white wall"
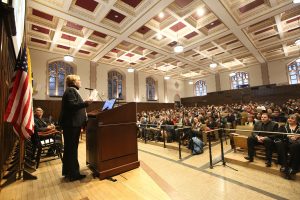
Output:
[[278, 73], [39, 63], [174, 87]]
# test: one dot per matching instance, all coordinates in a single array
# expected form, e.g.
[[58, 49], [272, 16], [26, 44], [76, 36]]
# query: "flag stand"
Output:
[[23, 173], [17, 170]]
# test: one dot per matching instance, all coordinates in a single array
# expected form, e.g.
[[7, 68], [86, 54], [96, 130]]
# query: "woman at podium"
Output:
[[72, 118]]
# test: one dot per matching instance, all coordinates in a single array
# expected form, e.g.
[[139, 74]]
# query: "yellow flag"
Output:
[[29, 66]]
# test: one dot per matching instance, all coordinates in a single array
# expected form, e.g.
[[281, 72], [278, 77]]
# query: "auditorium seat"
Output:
[[239, 137]]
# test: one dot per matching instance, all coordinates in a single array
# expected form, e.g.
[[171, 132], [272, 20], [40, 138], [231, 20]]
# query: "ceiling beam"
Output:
[[70, 18], [220, 11], [137, 24], [56, 34], [274, 11], [274, 3]]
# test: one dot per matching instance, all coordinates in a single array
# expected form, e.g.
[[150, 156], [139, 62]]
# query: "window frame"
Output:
[[237, 81], [203, 84], [115, 76], [73, 71], [295, 71], [155, 89]]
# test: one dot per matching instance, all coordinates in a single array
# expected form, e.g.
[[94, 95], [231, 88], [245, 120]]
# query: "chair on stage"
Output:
[[49, 143]]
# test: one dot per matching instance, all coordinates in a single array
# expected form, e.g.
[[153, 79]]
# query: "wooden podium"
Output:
[[111, 144]]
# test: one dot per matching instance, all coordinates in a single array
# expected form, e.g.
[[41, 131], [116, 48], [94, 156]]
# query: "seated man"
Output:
[[263, 138], [41, 126], [39, 123]]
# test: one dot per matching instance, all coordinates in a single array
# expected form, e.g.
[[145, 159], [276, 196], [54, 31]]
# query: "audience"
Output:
[[263, 116], [289, 144]]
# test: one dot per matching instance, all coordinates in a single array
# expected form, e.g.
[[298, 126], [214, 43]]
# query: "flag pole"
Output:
[[21, 160]]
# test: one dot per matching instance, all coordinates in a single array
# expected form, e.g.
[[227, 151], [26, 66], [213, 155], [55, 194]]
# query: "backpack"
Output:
[[196, 145]]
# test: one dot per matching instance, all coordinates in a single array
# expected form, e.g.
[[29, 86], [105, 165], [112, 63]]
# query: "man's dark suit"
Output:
[[268, 141], [72, 118]]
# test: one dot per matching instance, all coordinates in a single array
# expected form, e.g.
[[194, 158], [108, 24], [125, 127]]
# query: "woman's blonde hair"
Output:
[[71, 79], [293, 116]]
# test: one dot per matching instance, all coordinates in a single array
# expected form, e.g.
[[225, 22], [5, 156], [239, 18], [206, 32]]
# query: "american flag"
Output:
[[19, 111]]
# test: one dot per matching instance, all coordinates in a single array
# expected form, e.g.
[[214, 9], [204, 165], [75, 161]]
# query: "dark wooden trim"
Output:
[[271, 93], [7, 64]]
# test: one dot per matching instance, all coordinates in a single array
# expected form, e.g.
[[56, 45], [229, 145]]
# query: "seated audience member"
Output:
[[39, 123], [41, 126], [277, 116], [291, 144], [262, 138], [257, 117], [211, 123], [250, 121], [196, 128], [168, 128]]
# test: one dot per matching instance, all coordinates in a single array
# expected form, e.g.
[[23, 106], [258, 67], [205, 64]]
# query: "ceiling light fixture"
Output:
[[130, 69], [297, 42], [200, 12], [69, 57], [178, 48], [296, 1], [213, 65], [159, 36], [191, 82], [161, 15]]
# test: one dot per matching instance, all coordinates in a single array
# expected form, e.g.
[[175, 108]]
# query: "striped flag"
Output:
[[19, 111]]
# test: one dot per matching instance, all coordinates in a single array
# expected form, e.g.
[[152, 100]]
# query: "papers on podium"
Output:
[[94, 95]]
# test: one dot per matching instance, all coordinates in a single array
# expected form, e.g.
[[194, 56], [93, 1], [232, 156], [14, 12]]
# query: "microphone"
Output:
[[89, 88]]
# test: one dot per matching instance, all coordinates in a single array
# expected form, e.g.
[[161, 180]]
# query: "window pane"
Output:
[[239, 80], [58, 70], [294, 82], [294, 72], [115, 87], [52, 92], [52, 86]]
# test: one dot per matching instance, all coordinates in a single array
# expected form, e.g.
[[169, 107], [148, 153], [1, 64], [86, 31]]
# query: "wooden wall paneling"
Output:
[[7, 64], [52, 107], [271, 93]]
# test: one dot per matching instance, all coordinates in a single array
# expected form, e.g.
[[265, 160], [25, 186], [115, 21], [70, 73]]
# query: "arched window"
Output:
[[200, 88], [294, 72], [57, 71], [115, 85], [239, 80], [150, 89]]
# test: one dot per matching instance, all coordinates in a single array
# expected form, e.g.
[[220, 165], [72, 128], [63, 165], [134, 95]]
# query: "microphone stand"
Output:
[[100, 97]]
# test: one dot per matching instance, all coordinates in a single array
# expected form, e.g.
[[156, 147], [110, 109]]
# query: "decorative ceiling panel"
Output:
[[142, 33]]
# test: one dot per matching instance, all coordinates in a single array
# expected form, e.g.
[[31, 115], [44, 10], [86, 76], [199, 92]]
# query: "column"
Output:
[[218, 82]]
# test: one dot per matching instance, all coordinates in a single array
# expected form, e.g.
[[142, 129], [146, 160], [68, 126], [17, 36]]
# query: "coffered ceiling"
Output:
[[143, 33]]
